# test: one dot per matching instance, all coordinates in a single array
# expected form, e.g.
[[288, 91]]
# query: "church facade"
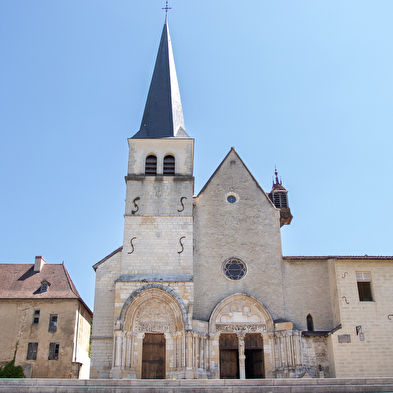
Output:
[[200, 289]]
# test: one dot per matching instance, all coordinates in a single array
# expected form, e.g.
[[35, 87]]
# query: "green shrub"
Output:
[[10, 370]]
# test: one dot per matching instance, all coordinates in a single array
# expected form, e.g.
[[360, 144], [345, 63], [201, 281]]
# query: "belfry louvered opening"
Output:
[[151, 165], [280, 200], [169, 165]]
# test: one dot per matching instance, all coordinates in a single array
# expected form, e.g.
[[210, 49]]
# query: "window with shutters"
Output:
[[53, 323], [36, 317], [169, 165], [364, 286], [53, 351], [151, 165], [32, 351]]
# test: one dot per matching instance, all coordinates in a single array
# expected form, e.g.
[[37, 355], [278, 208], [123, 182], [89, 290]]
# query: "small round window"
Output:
[[231, 198], [234, 269]]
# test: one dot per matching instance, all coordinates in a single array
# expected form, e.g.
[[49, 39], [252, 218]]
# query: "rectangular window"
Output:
[[32, 351], [36, 317], [53, 323], [53, 351], [364, 286]]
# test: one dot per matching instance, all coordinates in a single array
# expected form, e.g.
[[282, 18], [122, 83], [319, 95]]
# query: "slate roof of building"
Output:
[[163, 115], [20, 281]]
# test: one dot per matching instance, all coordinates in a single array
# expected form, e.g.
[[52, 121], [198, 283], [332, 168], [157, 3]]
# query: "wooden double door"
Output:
[[229, 356], [153, 356]]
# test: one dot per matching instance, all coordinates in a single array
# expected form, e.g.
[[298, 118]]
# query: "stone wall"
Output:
[[161, 245], [368, 352], [315, 353], [307, 291], [104, 316], [17, 326], [248, 229]]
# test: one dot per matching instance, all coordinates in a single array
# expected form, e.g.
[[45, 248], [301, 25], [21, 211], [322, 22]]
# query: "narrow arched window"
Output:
[[310, 323], [151, 165], [169, 165]]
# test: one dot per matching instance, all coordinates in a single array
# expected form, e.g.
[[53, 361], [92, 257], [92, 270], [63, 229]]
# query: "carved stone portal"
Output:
[[240, 312]]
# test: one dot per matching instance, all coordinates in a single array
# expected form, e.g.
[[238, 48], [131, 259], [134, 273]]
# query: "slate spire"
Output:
[[163, 115]]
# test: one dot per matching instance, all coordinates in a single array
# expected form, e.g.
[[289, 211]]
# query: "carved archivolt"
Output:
[[240, 312], [153, 309]]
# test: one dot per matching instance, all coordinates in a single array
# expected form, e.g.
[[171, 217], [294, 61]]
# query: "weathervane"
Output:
[[166, 8]]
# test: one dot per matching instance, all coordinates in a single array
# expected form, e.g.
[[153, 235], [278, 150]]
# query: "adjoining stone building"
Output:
[[42, 314], [200, 288]]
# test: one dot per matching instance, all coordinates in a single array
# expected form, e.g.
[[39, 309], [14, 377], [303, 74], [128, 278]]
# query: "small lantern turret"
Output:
[[279, 197]]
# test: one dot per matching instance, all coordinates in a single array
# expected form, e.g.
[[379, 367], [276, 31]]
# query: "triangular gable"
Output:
[[245, 166]]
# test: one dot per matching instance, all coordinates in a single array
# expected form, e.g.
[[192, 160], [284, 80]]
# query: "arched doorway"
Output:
[[150, 337], [240, 324]]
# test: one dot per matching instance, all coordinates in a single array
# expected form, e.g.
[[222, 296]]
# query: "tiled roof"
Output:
[[278, 187], [387, 257], [20, 281]]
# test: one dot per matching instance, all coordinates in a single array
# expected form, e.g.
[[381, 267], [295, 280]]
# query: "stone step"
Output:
[[327, 385]]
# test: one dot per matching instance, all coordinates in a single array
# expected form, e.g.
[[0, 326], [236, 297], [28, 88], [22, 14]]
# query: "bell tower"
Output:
[[279, 197], [158, 227]]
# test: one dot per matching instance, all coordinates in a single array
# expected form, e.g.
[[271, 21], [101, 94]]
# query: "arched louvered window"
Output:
[[310, 323], [151, 165], [169, 165]]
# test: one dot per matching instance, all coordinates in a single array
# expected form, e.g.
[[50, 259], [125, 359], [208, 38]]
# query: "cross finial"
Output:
[[276, 173], [166, 8]]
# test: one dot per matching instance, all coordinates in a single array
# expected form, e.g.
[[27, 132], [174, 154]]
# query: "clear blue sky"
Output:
[[304, 85]]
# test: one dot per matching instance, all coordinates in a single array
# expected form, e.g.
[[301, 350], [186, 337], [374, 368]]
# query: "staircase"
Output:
[[309, 385]]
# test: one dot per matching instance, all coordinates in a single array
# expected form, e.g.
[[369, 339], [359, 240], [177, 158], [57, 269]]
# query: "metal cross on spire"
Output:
[[166, 8]]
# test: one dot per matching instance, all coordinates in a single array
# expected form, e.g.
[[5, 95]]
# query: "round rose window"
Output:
[[234, 269]]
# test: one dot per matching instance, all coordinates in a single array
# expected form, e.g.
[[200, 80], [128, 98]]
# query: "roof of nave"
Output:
[[95, 266], [20, 281], [320, 257]]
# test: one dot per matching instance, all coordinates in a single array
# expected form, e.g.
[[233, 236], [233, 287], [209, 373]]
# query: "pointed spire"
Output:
[[277, 185], [163, 115]]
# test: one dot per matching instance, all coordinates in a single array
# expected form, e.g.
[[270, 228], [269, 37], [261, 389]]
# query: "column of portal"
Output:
[[297, 345], [118, 345], [242, 356], [206, 352], [272, 350], [279, 355], [183, 347], [123, 349], [196, 351], [189, 350]]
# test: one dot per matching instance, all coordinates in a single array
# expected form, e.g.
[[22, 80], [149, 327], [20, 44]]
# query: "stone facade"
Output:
[[50, 329], [200, 289]]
